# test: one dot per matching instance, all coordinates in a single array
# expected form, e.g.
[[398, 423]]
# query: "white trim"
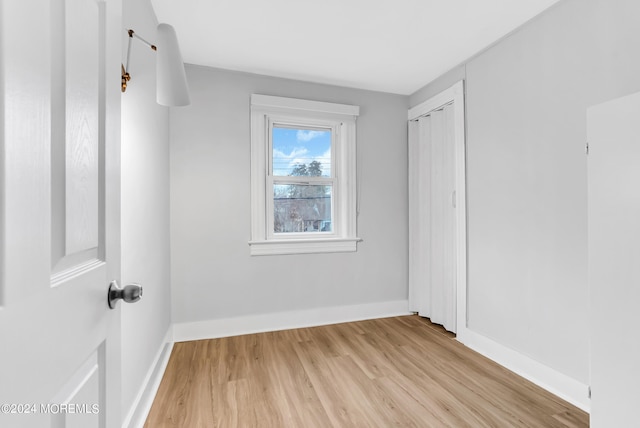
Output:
[[557, 383], [451, 94], [267, 111], [141, 405], [76, 271], [271, 102], [303, 246], [287, 320], [455, 95]]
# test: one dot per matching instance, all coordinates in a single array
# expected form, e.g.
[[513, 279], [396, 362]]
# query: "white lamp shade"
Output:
[[172, 89]]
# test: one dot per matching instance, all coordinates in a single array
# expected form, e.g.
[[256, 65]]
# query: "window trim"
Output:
[[269, 110]]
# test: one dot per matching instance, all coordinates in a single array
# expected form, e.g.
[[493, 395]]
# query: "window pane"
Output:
[[301, 208], [301, 152]]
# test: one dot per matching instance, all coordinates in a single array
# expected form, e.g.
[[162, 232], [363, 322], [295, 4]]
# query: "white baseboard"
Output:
[[226, 327], [553, 381], [144, 399]]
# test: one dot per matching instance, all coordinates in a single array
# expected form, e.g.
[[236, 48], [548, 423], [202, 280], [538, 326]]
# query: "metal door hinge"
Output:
[[586, 149], [589, 392]]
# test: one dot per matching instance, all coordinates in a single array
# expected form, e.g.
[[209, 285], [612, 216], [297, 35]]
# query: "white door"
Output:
[[437, 212], [614, 261], [436, 224], [59, 212]]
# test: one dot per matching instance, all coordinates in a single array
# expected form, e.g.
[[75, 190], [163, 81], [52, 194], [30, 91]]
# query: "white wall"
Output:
[[213, 276], [527, 190], [145, 208]]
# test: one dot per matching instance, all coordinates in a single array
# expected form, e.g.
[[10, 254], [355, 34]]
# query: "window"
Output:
[[303, 176]]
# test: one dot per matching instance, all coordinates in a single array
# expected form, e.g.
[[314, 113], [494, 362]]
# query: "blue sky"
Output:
[[297, 146]]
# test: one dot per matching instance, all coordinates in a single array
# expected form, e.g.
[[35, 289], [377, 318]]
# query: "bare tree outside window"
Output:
[[302, 206]]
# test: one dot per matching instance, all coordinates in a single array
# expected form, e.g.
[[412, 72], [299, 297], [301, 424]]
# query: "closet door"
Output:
[[433, 217]]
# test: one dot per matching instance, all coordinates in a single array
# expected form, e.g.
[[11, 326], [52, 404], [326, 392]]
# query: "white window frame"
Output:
[[269, 111]]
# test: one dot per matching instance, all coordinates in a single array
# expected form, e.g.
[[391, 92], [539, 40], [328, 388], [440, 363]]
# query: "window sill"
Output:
[[303, 246]]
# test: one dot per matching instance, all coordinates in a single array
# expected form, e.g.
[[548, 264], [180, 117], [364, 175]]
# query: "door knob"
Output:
[[130, 293]]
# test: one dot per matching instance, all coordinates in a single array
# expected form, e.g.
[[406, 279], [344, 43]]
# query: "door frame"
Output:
[[453, 95]]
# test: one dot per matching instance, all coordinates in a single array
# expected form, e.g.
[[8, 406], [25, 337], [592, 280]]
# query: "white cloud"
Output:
[[296, 152], [305, 136], [283, 162]]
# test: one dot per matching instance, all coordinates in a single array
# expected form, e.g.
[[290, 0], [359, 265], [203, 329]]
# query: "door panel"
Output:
[[82, 387], [614, 271], [60, 127], [83, 51], [76, 143]]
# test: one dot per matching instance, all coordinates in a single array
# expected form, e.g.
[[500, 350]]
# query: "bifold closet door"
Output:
[[432, 217]]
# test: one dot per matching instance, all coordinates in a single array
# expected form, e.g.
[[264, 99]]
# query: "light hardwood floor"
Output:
[[391, 372]]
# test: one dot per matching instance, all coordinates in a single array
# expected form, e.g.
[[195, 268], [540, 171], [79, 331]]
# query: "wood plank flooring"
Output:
[[392, 372]]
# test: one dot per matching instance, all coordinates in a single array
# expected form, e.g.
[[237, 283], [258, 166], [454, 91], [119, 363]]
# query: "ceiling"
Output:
[[394, 46]]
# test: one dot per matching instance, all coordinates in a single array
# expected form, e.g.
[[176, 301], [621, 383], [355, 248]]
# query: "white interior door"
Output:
[[435, 254], [59, 212], [614, 261], [437, 187]]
